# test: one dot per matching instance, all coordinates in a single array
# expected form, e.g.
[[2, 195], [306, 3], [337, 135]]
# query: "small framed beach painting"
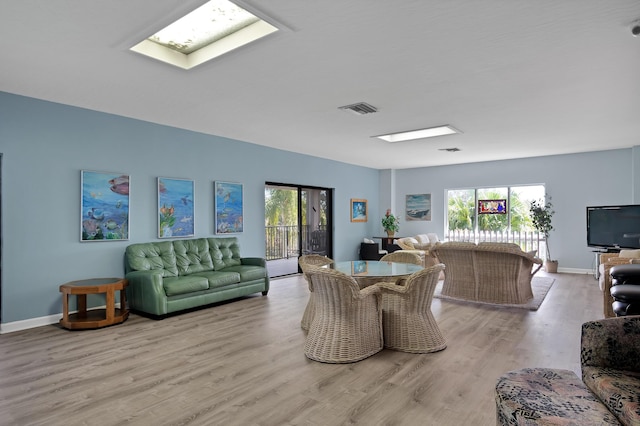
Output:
[[175, 207], [358, 210], [228, 207], [418, 207], [104, 206]]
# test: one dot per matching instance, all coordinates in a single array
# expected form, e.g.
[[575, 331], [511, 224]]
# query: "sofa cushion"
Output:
[[619, 390], [422, 238], [248, 272], [184, 284], [152, 257], [544, 396], [193, 256], [219, 278], [225, 252]]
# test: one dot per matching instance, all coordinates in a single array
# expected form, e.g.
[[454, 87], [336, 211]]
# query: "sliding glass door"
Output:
[[297, 221]]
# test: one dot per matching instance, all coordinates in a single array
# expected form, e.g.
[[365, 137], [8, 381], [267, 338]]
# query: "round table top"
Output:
[[375, 268], [98, 283]]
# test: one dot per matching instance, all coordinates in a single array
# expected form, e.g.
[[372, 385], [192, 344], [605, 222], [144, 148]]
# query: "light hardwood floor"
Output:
[[242, 363]]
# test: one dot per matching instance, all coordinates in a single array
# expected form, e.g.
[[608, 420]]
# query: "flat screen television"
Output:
[[613, 227]]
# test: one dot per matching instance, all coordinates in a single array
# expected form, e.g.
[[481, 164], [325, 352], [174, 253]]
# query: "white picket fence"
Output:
[[528, 241]]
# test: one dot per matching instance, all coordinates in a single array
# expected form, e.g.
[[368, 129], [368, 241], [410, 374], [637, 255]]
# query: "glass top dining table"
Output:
[[367, 272]]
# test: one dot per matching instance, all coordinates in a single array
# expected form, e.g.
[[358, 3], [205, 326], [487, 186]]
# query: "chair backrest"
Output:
[[421, 285], [308, 261], [331, 285], [402, 257]]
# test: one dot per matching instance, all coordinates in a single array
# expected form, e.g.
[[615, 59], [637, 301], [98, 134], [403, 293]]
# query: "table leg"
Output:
[[65, 307], [111, 304], [123, 300], [82, 305]]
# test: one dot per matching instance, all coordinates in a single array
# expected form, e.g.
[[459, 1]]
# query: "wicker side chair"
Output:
[[348, 321], [402, 257], [407, 322], [307, 262]]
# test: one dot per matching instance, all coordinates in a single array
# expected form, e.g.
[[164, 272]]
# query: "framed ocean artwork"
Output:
[[104, 206], [175, 207], [418, 207], [228, 207], [358, 210]]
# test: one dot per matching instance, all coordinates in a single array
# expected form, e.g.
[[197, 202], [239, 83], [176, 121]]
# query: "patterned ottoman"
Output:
[[542, 396]]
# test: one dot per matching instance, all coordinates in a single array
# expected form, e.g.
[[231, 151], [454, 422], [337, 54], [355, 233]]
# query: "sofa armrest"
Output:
[[145, 292], [611, 343], [254, 261]]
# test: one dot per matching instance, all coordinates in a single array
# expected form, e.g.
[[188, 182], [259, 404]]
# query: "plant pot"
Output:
[[390, 234], [551, 266]]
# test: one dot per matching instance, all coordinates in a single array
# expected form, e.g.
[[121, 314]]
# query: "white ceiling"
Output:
[[520, 78]]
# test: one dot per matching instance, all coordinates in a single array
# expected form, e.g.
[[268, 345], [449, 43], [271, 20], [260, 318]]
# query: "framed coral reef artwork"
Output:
[[175, 207], [418, 207], [358, 210], [228, 207], [104, 206]]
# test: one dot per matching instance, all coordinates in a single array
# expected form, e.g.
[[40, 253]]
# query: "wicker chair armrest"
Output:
[[391, 287], [617, 261], [367, 291], [608, 257]]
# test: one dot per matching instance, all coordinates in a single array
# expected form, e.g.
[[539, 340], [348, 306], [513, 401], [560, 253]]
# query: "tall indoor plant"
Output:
[[390, 223], [541, 214]]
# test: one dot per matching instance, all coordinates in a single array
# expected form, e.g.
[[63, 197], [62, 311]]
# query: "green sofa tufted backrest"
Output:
[[193, 256], [152, 256], [224, 252]]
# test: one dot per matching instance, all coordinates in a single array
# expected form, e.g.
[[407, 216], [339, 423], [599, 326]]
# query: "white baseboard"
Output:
[[575, 271], [10, 327]]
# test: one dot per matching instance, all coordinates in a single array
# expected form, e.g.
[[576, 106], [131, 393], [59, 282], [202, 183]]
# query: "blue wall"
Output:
[[573, 181], [44, 147]]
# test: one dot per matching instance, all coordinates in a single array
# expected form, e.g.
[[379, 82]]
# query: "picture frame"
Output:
[[228, 207], [418, 207], [104, 206], [175, 207], [359, 210]]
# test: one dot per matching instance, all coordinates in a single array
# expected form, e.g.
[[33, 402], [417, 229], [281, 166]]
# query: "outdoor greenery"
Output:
[[462, 211]]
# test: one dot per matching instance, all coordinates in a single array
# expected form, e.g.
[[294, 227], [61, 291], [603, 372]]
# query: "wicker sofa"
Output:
[[487, 272], [421, 245]]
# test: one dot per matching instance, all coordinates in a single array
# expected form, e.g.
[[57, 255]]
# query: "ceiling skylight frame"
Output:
[[410, 135], [246, 35]]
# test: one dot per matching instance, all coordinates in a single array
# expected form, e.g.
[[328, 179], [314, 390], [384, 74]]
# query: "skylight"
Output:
[[213, 29]]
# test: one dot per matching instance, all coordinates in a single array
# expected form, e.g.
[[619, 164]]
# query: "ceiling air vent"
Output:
[[361, 108], [449, 149]]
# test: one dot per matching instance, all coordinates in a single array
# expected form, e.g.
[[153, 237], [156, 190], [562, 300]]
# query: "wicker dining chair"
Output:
[[347, 326], [407, 321], [306, 262], [402, 257]]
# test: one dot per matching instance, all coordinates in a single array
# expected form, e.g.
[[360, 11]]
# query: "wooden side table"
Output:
[[94, 318]]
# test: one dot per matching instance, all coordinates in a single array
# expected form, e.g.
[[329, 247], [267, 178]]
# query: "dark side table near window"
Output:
[[94, 318]]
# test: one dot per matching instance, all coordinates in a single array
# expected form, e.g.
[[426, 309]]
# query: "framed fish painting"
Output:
[[175, 207], [104, 206], [228, 207]]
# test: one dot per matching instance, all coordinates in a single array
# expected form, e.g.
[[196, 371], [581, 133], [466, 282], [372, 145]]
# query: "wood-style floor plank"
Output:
[[242, 363]]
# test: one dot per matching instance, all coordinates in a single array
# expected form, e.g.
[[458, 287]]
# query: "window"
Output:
[[495, 222]]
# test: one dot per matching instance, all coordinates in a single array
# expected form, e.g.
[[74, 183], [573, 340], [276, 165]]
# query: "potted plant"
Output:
[[541, 214], [390, 223]]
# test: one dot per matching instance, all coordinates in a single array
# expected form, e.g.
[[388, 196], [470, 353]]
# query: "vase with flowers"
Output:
[[390, 223]]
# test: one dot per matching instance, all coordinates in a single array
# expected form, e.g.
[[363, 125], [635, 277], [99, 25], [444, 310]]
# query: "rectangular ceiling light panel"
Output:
[[419, 134], [213, 29]]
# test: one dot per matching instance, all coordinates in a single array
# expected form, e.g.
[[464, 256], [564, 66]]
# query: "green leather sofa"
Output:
[[171, 276]]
